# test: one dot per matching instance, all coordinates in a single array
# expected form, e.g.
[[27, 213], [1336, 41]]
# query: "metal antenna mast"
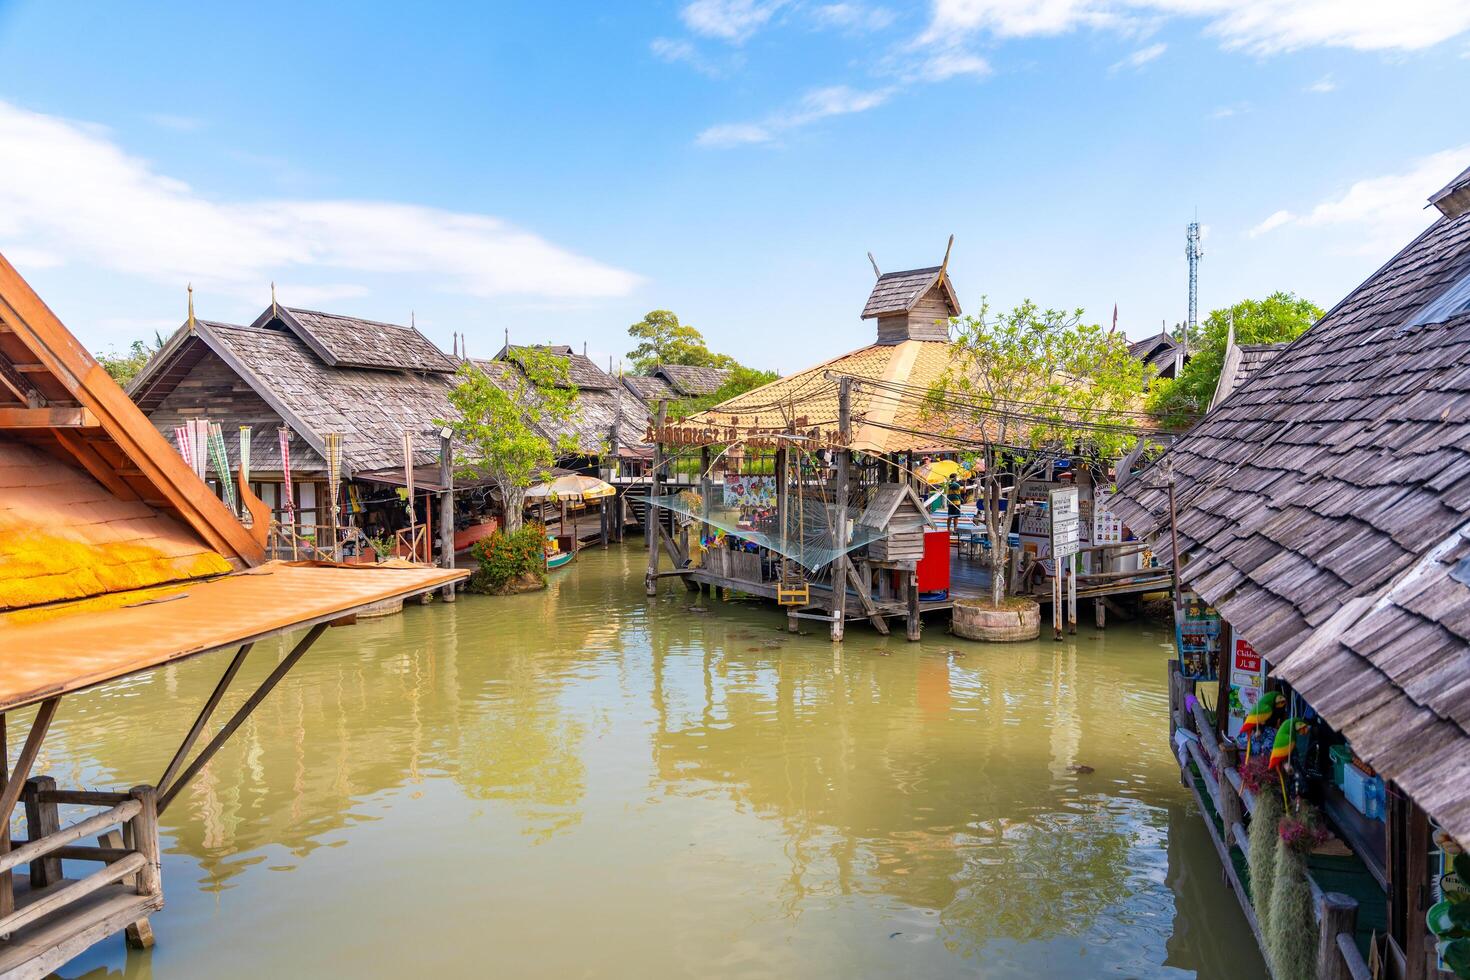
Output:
[[1193, 253]]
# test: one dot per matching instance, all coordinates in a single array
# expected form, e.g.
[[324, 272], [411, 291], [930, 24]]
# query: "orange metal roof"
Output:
[[50, 650]]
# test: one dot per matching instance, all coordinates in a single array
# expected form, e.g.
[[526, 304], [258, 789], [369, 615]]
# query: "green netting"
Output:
[[809, 537]]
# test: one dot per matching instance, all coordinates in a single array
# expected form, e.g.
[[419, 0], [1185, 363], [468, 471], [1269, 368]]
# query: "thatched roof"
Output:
[[880, 423], [1324, 509]]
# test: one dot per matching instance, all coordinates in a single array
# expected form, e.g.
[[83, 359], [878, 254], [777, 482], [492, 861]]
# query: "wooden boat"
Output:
[[558, 559]]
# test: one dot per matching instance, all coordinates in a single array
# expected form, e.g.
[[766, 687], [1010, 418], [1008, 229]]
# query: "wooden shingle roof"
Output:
[[897, 292], [346, 341], [1324, 505], [692, 381], [581, 372], [648, 390]]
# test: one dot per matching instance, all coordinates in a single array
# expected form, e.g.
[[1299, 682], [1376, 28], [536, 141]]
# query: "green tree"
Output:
[[1028, 387], [1178, 402], [498, 434], [662, 339], [124, 366]]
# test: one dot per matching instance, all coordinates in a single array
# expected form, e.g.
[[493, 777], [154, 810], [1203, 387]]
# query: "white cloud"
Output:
[[1379, 215], [679, 51], [943, 65], [1274, 221], [1322, 85], [1258, 26], [68, 191], [728, 20], [853, 17], [1139, 58], [833, 100]]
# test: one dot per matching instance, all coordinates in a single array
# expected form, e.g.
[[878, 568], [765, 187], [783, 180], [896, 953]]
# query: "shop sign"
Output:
[[1066, 523], [1197, 637], [1247, 683], [1107, 527]]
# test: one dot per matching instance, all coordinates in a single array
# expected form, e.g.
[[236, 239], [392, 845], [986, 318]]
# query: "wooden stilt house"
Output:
[[1321, 512], [116, 558]]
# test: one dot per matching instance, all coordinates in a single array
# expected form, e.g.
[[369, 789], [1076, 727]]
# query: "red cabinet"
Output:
[[934, 566]]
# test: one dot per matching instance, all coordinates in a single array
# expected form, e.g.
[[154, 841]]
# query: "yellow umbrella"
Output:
[[941, 470], [573, 486]]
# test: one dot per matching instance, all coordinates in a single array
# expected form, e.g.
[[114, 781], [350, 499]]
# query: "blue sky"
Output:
[[556, 170]]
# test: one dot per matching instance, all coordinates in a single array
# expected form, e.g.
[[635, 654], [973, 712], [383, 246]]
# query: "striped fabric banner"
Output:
[[288, 498]]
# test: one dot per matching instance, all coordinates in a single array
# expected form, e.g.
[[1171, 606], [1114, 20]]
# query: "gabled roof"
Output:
[[884, 504], [56, 399], [581, 371], [371, 408], [1453, 199], [689, 380], [648, 390], [897, 292], [1152, 349], [1242, 361], [599, 411], [1321, 509], [346, 341]]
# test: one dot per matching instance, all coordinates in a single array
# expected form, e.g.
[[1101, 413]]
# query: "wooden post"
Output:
[[1230, 806], [42, 819], [7, 885], [1339, 914], [650, 522], [844, 462], [11, 790], [706, 488], [446, 505], [1072, 596], [915, 624], [1173, 540], [1056, 599]]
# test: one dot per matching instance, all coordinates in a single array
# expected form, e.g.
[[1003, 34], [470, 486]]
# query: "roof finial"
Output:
[[275, 310], [191, 307], [944, 266], [876, 273], [584, 348], [507, 341], [413, 323]]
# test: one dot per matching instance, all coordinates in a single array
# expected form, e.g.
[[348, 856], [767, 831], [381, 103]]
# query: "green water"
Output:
[[588, 783]]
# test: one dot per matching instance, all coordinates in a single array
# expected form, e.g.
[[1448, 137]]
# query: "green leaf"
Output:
[[1449, 920], [1457, 957]]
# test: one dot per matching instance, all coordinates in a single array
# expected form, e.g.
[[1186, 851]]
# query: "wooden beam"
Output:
[[240, 715], [203, 718], [21, 387], [47, 418], [85, 454], [879, 623]]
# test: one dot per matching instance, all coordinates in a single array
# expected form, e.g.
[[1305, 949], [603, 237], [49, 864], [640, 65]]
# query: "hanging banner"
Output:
[[1247, 683], [185, 443], [749, 491], [334, 470], [221, 459], [1197, 637], [244, 456], [288, 498]]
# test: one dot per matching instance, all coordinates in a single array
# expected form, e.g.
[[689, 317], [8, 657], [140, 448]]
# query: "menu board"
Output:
[[1247, 683], [1107, 527], [1197, 637]]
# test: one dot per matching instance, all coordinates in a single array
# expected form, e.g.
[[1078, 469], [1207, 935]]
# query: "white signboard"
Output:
[[1066, 523], [1107, 527]]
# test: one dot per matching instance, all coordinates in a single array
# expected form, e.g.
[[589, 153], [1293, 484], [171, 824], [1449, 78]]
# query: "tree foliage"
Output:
[[1279, 317], [1031, 386], [662, 339], [501, 420], [124, 366]]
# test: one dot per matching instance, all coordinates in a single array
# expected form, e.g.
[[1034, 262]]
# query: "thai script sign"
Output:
[[760, 437]]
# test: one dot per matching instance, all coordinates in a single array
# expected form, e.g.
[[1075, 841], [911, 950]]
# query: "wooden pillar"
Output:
[[650, 521], [446, 505], [1339, 914], [844, 463], [915, 625], [42, 818], [706, 488], [1230, 805], [7, 886], [1072, 595], [1056, 599]]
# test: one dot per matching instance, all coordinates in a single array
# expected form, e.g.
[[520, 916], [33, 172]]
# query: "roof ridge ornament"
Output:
[[190, 287], [275, 310]]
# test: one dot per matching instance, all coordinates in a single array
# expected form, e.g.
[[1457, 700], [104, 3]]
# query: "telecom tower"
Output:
[[1193, 253]]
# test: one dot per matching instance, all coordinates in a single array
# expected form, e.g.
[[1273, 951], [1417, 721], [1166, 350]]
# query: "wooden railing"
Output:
[[127, 833], [1338, 956]]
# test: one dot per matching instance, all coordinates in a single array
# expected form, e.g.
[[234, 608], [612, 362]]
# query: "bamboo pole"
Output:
[[650, 522]]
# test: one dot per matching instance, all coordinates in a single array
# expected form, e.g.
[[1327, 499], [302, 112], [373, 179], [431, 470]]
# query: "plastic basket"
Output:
[[1342, 757]]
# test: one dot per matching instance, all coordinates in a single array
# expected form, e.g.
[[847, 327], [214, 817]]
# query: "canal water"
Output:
[[588, 783]]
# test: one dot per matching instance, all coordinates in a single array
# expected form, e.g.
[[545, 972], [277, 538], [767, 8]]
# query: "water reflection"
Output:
[[681, 792]]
